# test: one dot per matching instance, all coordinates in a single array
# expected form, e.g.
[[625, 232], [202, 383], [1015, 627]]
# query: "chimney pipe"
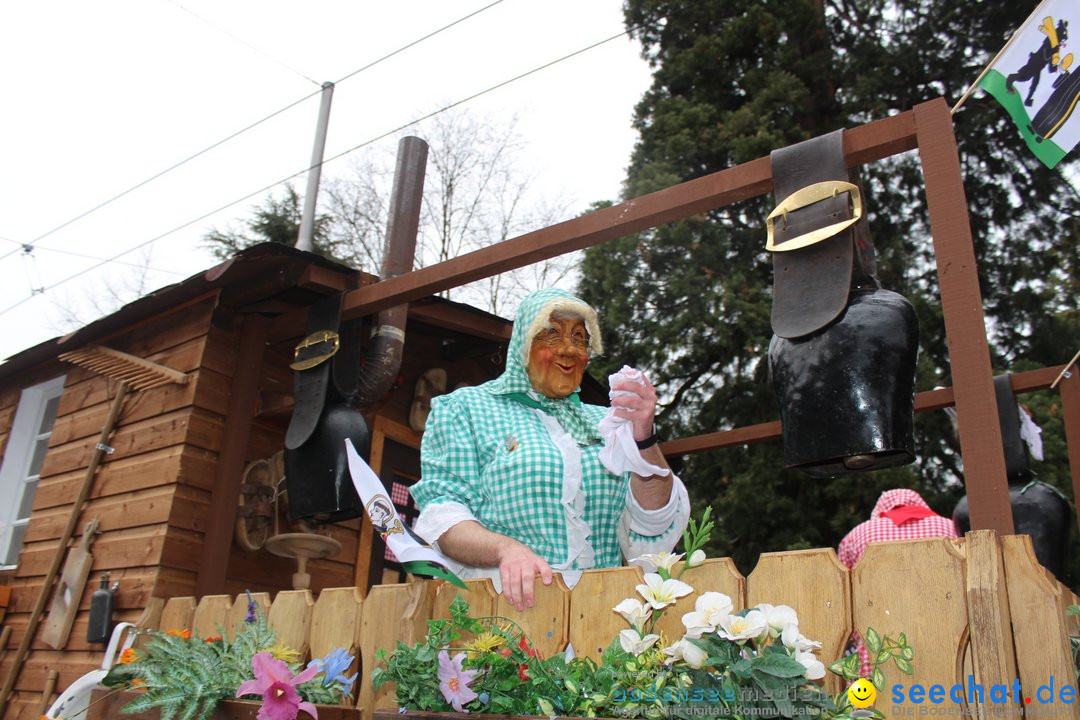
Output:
[[382, 360]]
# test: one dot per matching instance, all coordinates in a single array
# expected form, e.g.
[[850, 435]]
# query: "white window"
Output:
[[21, 467]]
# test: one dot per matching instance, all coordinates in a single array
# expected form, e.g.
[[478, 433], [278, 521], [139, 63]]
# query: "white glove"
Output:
[[620, 453]]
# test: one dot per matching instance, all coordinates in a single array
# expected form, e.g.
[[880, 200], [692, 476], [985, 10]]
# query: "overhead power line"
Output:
[[381, 136], [246, 44], [245, 129]]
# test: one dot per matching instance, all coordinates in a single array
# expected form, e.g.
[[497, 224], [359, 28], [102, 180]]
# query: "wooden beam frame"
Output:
[[927, 128]]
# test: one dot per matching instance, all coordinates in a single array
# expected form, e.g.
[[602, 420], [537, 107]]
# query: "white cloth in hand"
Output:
[[620, 453]]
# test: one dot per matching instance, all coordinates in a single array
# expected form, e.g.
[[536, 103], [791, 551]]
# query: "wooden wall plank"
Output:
[[547, 622], [136, 588], [916, 587], [1039, 630], [151, 469], [336, 622], [129, 439], [138, 547], [992, 656], [134, 509], [178, 613], [481, 597], [211, 616], [238, 613], [818, 587], [593, 623], [290, 616], [391, 613]]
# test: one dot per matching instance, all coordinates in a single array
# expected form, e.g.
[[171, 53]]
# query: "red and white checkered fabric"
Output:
[[880, 529]]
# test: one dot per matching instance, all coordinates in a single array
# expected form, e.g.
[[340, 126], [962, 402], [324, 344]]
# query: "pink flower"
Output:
[[454, 681], [274, 681]]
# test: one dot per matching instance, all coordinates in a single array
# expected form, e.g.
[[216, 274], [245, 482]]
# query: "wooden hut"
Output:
[[167, 490]]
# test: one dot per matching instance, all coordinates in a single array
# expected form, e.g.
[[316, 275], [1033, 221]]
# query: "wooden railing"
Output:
[[981, 607]]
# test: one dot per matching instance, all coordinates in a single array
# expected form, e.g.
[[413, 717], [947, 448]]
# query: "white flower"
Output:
[[687, 651], [792, 638], [749, 626], [815, 669], [635, 613], [696, 558], [657, 561], [778, 617], [633, 643], [660, 593], [708, 611]]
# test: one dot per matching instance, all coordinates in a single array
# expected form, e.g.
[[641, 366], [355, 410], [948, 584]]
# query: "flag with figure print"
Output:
[[1037, 81], [411, 550]]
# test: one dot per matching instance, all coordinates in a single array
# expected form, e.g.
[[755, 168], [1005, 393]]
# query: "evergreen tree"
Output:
[[690, 301]]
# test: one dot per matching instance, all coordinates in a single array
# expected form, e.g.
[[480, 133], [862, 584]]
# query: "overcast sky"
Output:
[[100, 96]]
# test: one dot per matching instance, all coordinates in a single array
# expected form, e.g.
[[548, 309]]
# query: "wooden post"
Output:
[[988, 611], [961, 303], [1069, 387], [241, 410]]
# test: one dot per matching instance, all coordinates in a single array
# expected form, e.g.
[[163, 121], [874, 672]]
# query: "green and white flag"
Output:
[[412, 551], [1037, 81]]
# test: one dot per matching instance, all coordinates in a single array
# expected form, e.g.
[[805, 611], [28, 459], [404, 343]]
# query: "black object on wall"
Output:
[[842, 359], [1038, 509]]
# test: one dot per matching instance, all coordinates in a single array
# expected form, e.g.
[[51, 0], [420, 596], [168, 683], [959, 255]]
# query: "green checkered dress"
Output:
[[491, 452]]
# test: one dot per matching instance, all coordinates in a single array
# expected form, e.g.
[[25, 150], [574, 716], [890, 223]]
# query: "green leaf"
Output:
[[904, 665], [872, 641], [778, 665], [907, 652], [878, 678]]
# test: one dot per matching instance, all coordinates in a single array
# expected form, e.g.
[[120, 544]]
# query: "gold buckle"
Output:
[[808, 196], [314, 339]]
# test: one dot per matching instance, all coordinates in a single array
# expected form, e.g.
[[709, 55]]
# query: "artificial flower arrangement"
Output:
[[748, 664], [176, 673]]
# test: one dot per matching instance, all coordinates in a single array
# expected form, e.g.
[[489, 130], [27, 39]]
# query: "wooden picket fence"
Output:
[[978, 611]]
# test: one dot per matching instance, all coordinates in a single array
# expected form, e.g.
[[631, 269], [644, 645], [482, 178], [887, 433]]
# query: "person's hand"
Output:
[[639, 407], [518, 568]]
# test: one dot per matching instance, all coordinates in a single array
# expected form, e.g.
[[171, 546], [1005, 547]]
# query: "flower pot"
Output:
[[106, 704], [395, 714]]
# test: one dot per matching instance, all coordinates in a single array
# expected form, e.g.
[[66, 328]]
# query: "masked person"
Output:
[[517, 478]]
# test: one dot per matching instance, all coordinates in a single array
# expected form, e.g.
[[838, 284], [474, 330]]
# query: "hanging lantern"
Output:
[[842, 358]]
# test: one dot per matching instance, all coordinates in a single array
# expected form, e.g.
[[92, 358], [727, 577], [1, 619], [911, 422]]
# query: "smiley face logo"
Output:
[[862, 693]]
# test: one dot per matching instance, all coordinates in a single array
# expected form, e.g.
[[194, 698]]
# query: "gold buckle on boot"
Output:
[[808, 196], [311, 351]]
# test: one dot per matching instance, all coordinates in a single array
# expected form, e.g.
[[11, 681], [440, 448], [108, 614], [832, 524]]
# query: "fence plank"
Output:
[[715, 575], [547, 622], [593, 624], [290, 616], [916, 587], [391, 613], [211, 616], [992, 656], [818, 587], [1040, 631], [481, 597], [335, 622], [239, 611], [177, 614]]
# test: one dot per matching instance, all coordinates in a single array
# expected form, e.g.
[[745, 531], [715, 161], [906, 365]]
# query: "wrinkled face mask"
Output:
[[558, 357]]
